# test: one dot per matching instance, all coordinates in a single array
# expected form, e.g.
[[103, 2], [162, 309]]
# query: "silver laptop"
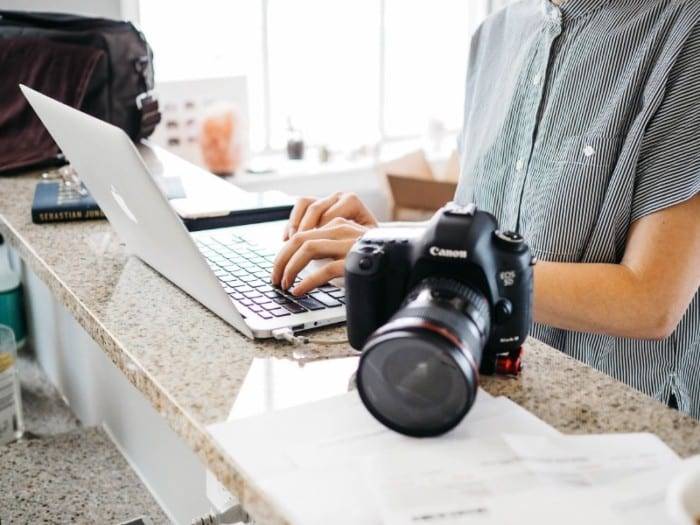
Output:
[[227, 269]]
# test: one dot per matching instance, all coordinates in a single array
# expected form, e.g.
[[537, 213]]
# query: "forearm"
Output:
[[601, 298]]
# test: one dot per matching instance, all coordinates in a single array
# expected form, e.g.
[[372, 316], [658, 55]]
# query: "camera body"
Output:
[[460, 244]]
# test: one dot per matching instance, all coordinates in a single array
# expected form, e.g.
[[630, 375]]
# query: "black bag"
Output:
[[103, 67]]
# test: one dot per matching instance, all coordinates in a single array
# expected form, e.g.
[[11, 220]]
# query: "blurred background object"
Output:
[[419, 186], [295, 142], [205, 121], [221, 139]]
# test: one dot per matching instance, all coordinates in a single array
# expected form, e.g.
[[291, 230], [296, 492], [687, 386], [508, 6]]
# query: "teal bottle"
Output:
[[11, 302]]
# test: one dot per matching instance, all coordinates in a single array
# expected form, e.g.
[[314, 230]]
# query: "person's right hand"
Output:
[[331, 241], [309, 213]]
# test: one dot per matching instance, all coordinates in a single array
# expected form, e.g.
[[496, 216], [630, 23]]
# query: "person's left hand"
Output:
[[331, 241]]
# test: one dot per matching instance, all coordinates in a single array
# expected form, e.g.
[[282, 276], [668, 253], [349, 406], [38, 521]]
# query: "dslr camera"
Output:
[[430, 309]]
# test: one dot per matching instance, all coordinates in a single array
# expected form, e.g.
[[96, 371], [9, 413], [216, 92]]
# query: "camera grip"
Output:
[[364, 291]]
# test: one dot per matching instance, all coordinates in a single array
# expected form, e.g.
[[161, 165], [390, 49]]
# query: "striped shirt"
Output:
[[579, 120]]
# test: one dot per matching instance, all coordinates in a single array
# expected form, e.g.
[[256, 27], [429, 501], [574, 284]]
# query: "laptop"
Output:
[[226, 269]]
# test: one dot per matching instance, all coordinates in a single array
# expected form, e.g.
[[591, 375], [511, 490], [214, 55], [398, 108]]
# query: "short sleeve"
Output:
[[668, 171]]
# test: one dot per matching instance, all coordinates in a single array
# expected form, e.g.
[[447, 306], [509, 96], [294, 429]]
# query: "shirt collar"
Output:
[[571, 9]]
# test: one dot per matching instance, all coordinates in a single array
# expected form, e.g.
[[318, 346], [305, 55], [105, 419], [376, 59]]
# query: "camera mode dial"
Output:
[[508, 239]]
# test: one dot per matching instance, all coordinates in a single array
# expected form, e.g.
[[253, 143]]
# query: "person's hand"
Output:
[[309, 213], [331, 241]]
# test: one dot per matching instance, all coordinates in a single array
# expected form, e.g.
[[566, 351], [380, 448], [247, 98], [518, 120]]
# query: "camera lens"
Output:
[[418, 374]]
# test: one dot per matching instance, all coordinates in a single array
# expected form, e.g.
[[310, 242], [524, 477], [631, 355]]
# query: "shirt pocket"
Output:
[[564, 196]]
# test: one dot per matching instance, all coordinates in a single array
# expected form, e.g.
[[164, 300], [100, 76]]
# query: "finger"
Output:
[[310, 250], [315, 210], [295, 216], [349, 206], [293, 244], [335, 221], [320, 277], [340, 210]]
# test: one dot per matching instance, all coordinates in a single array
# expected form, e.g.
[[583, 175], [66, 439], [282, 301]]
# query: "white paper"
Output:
[[525, 479], [310, 459]]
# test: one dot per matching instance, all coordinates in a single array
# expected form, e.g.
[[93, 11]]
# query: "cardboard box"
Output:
[[418, 187]]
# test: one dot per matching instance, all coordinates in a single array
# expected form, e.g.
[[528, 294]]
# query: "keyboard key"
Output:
[[264, 314], [254, 308], [246, 302], [328, 288], [337, 294], [262, 300], [280, 300], [309, 303], [270, 306], [252, 295], [243, 288], [279, 312], [237, 296], [294, 308], [326, 300]]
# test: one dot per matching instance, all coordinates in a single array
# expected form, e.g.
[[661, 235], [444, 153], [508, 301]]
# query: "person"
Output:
[[582, 132]]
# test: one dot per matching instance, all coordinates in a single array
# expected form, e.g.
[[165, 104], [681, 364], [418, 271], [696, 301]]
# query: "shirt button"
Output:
[[588, 151], [520, 165]]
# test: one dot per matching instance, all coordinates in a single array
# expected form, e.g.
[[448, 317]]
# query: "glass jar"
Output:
[[11, 421]]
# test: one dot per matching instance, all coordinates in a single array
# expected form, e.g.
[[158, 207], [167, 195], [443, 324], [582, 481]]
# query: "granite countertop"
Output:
[[192, 366]]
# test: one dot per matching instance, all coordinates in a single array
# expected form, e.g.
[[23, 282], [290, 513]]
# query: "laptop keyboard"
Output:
[[244, 271]]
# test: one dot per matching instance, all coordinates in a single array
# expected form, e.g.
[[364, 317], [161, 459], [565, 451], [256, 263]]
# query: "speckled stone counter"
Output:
[[191, 365]]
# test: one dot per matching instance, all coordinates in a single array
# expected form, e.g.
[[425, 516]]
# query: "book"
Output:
[[54, 201]]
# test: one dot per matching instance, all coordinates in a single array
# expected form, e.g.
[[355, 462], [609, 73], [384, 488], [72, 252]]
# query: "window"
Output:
[[426, 45], [346, 73], [324, 70]]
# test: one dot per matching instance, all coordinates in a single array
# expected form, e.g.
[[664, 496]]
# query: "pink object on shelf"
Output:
[[220, 139]]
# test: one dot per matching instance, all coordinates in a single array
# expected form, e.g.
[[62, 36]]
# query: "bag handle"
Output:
[[147, 104]]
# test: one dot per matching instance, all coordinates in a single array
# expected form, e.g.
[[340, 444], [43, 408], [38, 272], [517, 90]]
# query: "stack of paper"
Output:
[[550, 479], [332, 462]]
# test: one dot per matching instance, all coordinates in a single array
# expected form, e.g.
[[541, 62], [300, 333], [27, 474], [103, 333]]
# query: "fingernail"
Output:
[[295, 290]]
